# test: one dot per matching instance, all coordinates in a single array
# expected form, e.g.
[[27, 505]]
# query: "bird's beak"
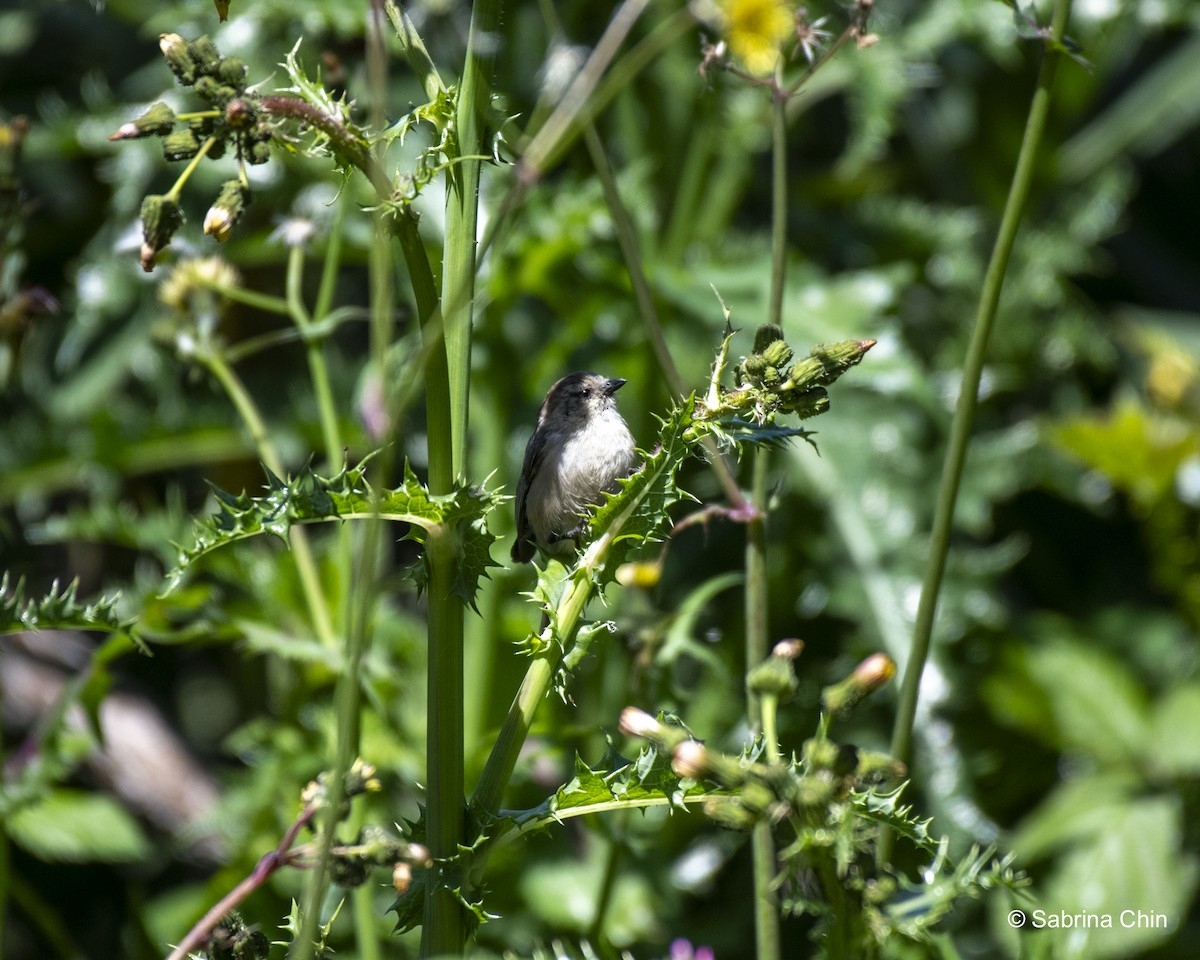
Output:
[[613, 385]]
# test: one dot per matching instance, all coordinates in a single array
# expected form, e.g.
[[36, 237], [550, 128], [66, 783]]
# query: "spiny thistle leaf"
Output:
[[647, 781], [349, 137], [309, 498], [57, 610], [409, 907], [887, 810]]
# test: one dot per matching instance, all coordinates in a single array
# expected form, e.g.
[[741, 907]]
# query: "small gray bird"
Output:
[[579, 450]]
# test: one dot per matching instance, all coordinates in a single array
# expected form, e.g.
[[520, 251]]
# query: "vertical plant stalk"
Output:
[[766, 910], [444, 931], [964, 412]]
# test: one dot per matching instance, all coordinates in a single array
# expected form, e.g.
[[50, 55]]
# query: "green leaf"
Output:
[[409, 907], [1099, 708], [71, 826], [1174, 743], [647, 781], [57, 610], [309, 498], [1137, 863], [1075, 811], [886, 810]]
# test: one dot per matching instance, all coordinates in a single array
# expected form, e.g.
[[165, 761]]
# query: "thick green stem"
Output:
[[444, 931], [964, 413], [485, 802], [766, 914]]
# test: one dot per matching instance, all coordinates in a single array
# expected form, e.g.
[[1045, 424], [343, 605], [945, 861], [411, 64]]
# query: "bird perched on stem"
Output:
[[580, 449]]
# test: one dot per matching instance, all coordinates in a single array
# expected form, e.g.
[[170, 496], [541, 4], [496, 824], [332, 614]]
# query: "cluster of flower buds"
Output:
[[233, 115], [777, 385], [375, 847], [826, 774], [233, 939]]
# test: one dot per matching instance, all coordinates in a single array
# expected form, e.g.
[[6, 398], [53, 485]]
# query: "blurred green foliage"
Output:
[[1061, 716]]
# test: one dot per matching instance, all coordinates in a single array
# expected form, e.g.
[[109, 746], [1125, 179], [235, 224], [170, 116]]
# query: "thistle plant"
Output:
[[821, 816]]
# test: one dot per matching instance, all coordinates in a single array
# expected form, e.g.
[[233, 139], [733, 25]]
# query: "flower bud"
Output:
[[812, 792], [638, 723], [401, 877], [360, 778], [775, 676], [765, 335], [867, 677], [729, 813], [216, 93], [777, 353], [228, 208], [260, 152], [155, 122], [643, 574], [239, 113], [232, 72], [180, 145], [808, 403], [161, 217], [204, 54], [175, 49], [788, 649], [690, 759], [754, 365]]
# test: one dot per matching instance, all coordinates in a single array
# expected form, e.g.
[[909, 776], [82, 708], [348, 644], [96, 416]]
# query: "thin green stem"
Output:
[[608, 883], [366, 561], [314, 348], [964, 413], [628, 241], [766, 911], [252, 298], [294, 286], [306, 565], [331, 264], [778, 204], [177, 189], [587, 108], [485, 802], [769, 711]]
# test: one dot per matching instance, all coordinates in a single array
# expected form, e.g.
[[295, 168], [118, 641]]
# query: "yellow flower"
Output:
[[756, 30]]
